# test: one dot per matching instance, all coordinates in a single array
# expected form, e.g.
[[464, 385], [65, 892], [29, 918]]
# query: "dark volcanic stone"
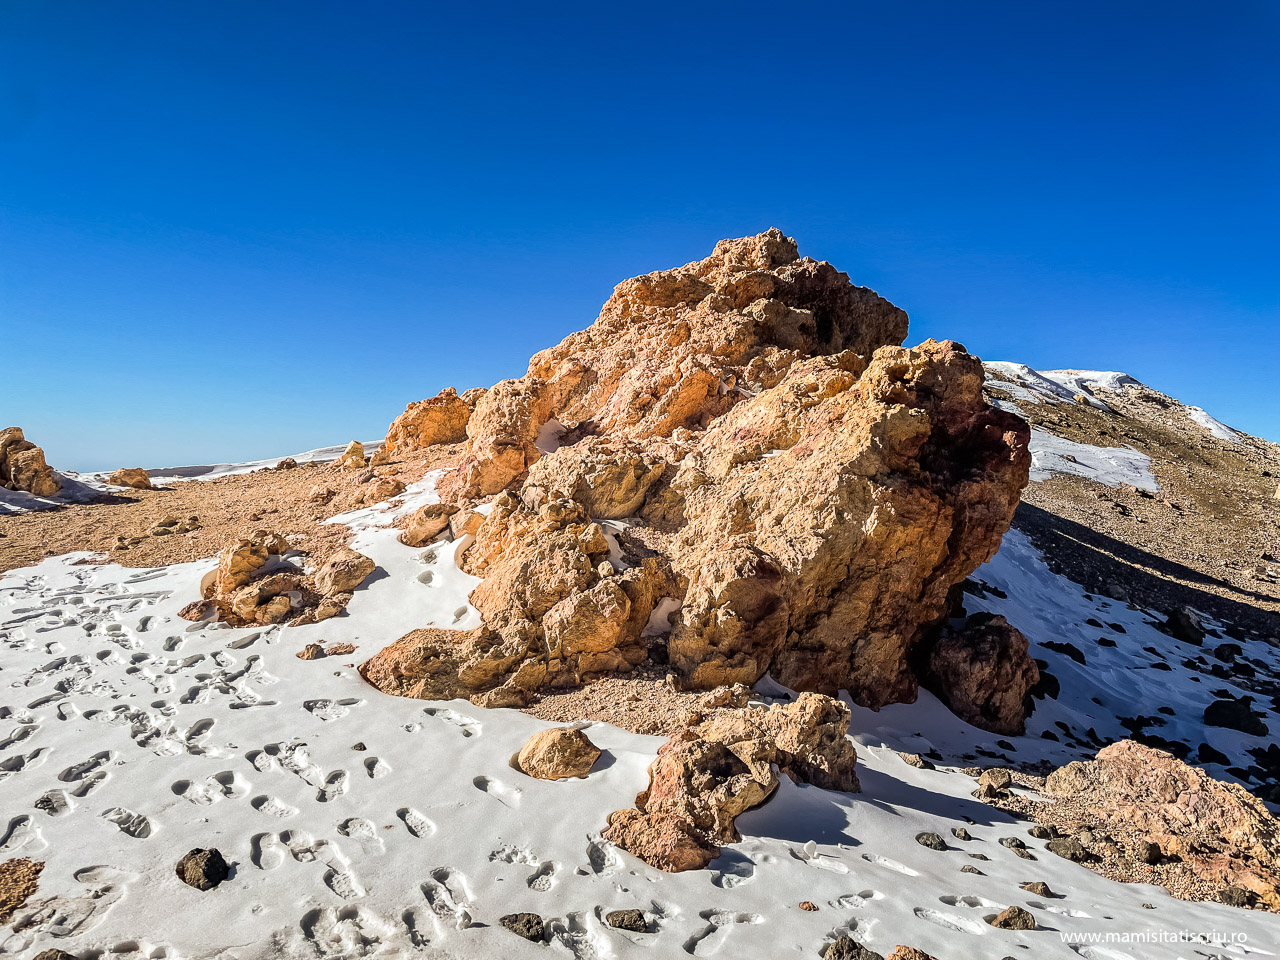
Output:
[[1068, 848], [527, 925], [931, 840], [1237, 897], [54, 955], [1014, 918], [1235, 715], [202, 869], [846, 948], [632, 920]]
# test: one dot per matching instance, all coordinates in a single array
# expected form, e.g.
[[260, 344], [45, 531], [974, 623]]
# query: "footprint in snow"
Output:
[[21, 834], [132, 824], [417, 825], [544, 878], [888, 864], [363, 833], [467, 726], [272, 806], [331, 709], [447, 894], [335, 785], [265, 852], [376, 768], [720, 924], [950, 921], [506, 795]]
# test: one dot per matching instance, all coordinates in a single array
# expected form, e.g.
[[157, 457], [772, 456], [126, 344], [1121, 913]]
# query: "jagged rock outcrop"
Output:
[[22, 465], [804, 490], [135, 477], [723, 762], [1221, 832], [252, 584], [982, 670], [439, 419]]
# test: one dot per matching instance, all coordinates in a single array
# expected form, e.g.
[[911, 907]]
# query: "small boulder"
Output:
[[343, 572], [1013, 918], [908, 953], [846, 948], [1039, 888], [632, 920], [527, 925], [134, 477], [202, 869], [931, 840], [558, 754], [353, 457], [312, 651], [426, 523], [1069, 848]]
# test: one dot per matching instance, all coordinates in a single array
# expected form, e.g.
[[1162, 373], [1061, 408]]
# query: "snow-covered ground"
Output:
[[363, 825]]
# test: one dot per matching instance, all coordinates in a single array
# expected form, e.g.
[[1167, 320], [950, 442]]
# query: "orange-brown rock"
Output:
[[802, 489], [557, 754], [426, 523], [1221, 832], [439, 419], [983, 672], [22, 465], [908, 953], [353, 457], [134, 477], [722, 763], [18, 881], [250, 587]]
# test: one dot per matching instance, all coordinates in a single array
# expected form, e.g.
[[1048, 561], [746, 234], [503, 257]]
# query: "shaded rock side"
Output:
[[725, 761], [982, 670]]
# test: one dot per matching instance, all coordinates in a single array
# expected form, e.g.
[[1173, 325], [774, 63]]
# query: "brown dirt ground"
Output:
[[228, 508], [1210, 538], [646, 703]]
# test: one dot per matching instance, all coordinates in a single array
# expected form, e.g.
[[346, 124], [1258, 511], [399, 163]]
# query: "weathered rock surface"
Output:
[[22, 465], [249, 587], [353, 457], [134, 477], [982, 670], [1220, 831], [802, 490], [557, 754], [203, 869], [426, 523], [721, 764], [18, 881], [439, 419]]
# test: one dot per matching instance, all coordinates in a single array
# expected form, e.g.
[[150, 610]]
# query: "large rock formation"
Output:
[[800, 489], [22, 465], [439, 419], [1220, 832], [725, 761]]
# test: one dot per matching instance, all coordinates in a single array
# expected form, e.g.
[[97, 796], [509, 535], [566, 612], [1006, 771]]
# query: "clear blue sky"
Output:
[[232, 230]]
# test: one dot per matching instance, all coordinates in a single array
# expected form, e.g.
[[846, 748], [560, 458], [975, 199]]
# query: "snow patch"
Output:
[[1113, 466]]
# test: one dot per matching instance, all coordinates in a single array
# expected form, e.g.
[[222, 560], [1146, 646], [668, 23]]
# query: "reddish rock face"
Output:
[[723, 763], [803, 490], [1221, 832], [983, 672]]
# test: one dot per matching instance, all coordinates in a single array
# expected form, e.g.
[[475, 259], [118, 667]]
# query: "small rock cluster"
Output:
[[725, 761], [167, 527], [252, 584]]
